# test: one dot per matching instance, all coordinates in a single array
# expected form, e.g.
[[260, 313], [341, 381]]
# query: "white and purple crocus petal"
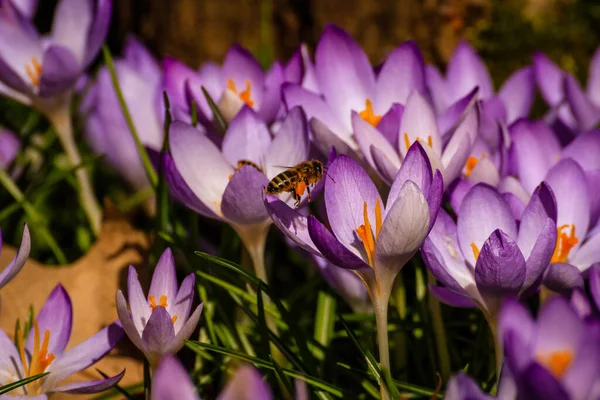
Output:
[[246, 384], [546, 360], [172, 382], [159, 324], [15, 265], [463, 387], [9, 148]]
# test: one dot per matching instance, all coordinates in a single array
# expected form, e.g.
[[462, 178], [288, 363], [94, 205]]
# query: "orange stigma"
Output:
[[34, 71], [556, 362], [475, 250], [564, 244], [365, 233], [369, 115], [407, 141], [40, 359], [246, 95], [471, 163]]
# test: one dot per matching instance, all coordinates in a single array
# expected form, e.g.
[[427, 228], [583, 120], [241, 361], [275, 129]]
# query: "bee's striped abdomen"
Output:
[[282, 182]]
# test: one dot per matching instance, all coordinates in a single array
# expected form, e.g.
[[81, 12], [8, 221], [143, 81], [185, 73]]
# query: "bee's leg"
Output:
[[308, 191], [296, 197]]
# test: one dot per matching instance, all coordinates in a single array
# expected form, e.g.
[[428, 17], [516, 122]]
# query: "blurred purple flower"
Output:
[[172, 382], [44, 351], [462, 387], [546, 359], [485, 256], [160, 324], [15, 265], [41, 68], [26, 7], [9, 147], [347, 84], [106, 129]]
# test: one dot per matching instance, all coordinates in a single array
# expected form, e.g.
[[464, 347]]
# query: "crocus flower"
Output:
[[239, 82], [106, 129], [485, 256], [26, 7], [15, 265], [9, 147], [160, 323], [373, 239], [44, 351], [172, 382], [219, 188], [553, 357], [348, 83], [462, 387]]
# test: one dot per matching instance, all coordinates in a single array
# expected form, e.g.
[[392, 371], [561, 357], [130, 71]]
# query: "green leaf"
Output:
[[314, 382], [282, 378], [194, 113], [261, 324], [118, 388], [22, 382], [215, 110], [325, 319]]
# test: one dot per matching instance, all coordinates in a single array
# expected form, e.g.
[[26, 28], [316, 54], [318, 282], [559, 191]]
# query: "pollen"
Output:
[[564, 243], [300, 188], [407, 141], [34, 71], [368, 114], [471, 163], [556, 362], [246, 95], [475, 250], [365, 233], [162, 302]]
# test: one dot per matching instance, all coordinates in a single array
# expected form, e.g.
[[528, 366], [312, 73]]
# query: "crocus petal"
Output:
[[186, 330], [549, 78], [331, 248], [240, 66], [127, 321], [242, 200], [466, 70], [462, 387], [449, 119], [72, 20], [389, 125], [451, 298], [585, 149], [416, 168], [563, 278], [200, 163], [60, 71], [313, 105], [500, 269], [537, 383], [90, 386], [580, 378], [246, 384], [510, 184], [325, 139], [584, 111], [367, 135], [141, 60], [588, 254], [385, 167], [10, 360], [594, 281], [482, 211], [418, 122], [404, 228], [247, 138], [97, 32], [56, 316], [164, 278], [271, 102], [293, 224], [182, 304], [172, 382], [457, 150], [15, 265], [557, 313], [83, 355], [569, 184], [517, 330], [345, 75], [291, 144], [402, 72], [175, 76], [140, 309], [158, 334], [518, 93], [26, 7], [438, 89], [485, 172], [593, 83], [347, 188]]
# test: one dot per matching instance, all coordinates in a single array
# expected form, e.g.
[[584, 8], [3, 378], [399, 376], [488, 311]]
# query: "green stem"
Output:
[[147, 379], [150, 172], [498, 349], [381, 311], [60, 117], [439, 332]]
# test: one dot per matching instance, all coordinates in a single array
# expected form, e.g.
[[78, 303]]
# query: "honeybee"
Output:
[[296, 180], [241, 163]]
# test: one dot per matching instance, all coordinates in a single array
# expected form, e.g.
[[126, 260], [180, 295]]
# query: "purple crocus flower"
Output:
[[106, 129], [15, 265], [347, 83], [547, 360], [26, 7], [159, 324], [485, 256], [44, 351], [172, 382], [239, 82], [9, 147], [44, 68], [462, 387], [214, 183]]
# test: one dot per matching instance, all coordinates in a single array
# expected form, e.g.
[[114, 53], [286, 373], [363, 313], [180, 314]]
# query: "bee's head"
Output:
[[319, 169]]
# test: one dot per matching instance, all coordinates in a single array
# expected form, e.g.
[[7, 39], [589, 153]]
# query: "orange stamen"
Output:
[[556, 362], [365, 233], [470, 164], [407, 141], [34, 71], [246, 95], [475, 250], [40, 359], [430, 141], [564, 244], [173, 319], [21, 347], [378, 218], [368, 114]]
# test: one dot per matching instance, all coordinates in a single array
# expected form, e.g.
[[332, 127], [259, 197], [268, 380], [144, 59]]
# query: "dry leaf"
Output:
[[92, 282]]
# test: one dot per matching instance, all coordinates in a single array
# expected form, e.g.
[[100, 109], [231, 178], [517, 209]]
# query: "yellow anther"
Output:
[[556, 362], [365, 233], [564, 244], [246, 95], [475, 250], [368, 114], [34, 71]]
